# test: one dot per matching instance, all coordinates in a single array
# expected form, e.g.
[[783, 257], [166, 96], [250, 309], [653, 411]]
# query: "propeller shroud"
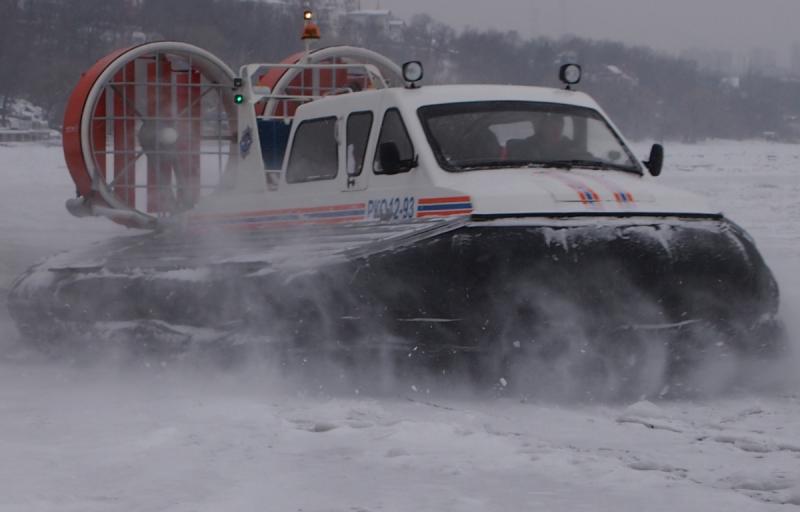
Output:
[[150, 129]]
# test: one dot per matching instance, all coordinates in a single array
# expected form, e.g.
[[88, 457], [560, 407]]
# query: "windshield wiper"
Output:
[[497, 164], [586, 164], [542, 164]]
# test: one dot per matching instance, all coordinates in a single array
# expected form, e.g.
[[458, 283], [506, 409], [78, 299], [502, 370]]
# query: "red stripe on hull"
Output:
[[444, 200]]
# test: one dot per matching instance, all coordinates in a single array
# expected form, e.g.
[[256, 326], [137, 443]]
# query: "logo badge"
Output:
[[246, 142]]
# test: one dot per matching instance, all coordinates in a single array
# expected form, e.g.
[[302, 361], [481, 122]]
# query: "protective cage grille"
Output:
[[161, 132]]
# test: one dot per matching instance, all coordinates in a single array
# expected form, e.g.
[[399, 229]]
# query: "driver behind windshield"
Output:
[[547, 143], [478, 144], [506, 134]]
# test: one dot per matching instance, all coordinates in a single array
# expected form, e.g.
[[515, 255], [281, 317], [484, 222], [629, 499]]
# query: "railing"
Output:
[[296, 84]]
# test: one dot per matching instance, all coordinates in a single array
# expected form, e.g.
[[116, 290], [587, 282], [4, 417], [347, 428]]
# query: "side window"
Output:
[[394, 131], [359, 125], [314, 152]]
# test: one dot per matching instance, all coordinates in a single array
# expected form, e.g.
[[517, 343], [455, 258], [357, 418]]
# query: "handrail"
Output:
[[251, 73]]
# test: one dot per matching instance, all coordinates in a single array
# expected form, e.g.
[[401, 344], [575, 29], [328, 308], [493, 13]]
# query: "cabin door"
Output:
[[357, 129]]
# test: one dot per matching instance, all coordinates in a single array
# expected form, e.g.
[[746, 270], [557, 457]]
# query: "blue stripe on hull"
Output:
[[447, 206]]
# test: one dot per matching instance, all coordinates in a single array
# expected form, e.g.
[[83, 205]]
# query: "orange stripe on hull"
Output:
[[440, 200]]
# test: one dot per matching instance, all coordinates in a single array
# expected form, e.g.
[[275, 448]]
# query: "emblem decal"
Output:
[[246, 142]]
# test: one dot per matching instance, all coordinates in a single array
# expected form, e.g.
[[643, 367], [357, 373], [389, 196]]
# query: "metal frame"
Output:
[[216, 76], [381, 72]]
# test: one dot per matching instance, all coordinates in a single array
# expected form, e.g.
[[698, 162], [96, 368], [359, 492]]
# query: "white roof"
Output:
[[438, 94]]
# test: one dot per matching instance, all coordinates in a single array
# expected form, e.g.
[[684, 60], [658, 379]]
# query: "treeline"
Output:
[[45, 44]]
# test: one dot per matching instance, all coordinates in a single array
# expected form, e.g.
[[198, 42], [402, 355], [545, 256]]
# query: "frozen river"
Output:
[[128, 435]]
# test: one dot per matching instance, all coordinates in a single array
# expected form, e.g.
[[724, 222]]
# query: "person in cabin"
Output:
[[548, 142]]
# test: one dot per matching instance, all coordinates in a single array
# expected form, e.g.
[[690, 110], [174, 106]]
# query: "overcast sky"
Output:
[[671, 25]]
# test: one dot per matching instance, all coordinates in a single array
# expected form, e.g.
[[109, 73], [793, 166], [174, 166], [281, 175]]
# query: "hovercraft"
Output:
[[331, 202]]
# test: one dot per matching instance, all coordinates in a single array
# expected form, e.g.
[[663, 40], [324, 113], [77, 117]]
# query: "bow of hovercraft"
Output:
[[609, 259]]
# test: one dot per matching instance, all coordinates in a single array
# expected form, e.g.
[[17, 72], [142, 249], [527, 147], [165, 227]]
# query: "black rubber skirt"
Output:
[[488, 286]]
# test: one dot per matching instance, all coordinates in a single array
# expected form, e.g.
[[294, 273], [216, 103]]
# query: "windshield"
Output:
[[497, 134]]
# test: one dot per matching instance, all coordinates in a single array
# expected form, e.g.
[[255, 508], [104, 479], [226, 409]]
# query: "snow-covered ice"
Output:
[[135, 434]]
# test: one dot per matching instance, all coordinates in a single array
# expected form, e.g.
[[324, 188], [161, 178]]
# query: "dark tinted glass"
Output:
[[314, 152], [507, 134], [358, 128], [394, 130]]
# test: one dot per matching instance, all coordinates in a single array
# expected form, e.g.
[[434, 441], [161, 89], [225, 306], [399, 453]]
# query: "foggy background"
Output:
[[677, 70], [738, 28]]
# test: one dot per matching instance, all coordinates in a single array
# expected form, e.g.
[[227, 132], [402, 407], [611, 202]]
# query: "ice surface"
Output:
[[129, 433]]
